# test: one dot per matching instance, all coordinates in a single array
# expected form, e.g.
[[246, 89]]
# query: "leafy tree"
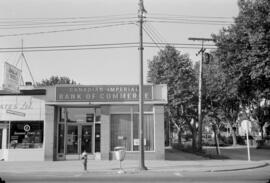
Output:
[[243, 51], [171, 67], [262, 115], [54, 80], [221, 104]]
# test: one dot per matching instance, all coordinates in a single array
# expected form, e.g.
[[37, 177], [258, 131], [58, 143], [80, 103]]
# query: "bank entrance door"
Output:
[[79, 138]]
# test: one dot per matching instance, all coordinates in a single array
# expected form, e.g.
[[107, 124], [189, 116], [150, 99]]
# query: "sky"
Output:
[[103, 66]]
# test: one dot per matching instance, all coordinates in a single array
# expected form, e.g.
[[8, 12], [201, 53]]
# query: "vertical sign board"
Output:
[[11, 78], [247, 127]]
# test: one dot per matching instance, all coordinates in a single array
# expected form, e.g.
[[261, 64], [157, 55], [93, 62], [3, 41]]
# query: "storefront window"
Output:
[[78, 115], [121, 131], [26, 134], [148, 132], [124, 133]]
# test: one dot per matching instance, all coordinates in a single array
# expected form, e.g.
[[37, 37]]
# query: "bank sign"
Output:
[[106, 93]]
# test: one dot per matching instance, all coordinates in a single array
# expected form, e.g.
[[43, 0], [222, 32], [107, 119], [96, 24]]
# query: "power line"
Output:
[[151, 37], [186, 22], [73, 49], [64, 18], [65, 30], [153, 33], [153, 44], [68, 46], [191, 20], [157, 32], [102, 44], [20, 24], [96, 48], [190, 16], [63, 25]]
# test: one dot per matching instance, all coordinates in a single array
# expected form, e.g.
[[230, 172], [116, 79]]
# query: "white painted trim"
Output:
[[86, 104]]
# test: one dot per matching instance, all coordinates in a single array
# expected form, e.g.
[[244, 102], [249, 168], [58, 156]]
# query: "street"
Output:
[[260, 175]]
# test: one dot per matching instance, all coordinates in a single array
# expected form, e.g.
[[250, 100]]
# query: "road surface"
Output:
[[258, 175]]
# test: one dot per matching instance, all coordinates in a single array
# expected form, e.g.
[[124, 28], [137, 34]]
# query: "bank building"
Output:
[[60, 122]]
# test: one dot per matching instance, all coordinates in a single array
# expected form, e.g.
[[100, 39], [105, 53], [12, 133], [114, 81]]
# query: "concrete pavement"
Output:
[[129, 166]]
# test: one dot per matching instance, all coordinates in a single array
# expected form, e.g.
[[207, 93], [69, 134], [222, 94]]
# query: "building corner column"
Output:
[[105, 133], [49, 133], [159, 132]]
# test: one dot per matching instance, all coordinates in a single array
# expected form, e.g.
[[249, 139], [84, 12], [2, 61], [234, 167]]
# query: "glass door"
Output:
[[72, 139], [79, 138], [86, 138]]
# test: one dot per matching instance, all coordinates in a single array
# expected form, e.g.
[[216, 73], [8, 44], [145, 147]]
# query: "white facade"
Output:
[[24, 110]]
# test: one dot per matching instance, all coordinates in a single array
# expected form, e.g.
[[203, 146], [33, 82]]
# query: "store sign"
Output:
[[136, 142], [90, 117], [108, 93], [12, 76], [21, 107]]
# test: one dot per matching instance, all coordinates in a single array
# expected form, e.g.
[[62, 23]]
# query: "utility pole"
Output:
[[141, 12], [202, 50]]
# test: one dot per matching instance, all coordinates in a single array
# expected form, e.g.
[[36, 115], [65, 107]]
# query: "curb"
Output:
[[245, 168], [136, 171]]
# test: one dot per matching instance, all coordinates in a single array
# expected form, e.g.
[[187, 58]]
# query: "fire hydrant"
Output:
[[84, 160]]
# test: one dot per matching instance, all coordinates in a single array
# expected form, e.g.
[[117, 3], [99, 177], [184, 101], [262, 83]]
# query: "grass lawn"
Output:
[[178, 155], [234, 153], [240, 153]]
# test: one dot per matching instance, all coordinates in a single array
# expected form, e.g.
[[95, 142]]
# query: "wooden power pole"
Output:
[[202, 50], [141, 13]]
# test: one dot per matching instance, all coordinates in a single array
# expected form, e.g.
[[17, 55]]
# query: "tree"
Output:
[[243, 51], [262, 115], [54, 80], [171, 67], [220, 105]]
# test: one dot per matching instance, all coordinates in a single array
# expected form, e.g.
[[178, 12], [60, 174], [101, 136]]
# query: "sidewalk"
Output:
[[129, 166]]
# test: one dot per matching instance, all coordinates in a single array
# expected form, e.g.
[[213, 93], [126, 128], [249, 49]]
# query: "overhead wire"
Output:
[[95, 46], [192, 20], [65, 30], [190, 16], [154, 34], [63, 25], [64, 18], [187, 22], [151, 37], [58, 23]]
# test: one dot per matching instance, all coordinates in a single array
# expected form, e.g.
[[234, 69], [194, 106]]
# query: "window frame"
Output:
[[131, 113], [9, 145]]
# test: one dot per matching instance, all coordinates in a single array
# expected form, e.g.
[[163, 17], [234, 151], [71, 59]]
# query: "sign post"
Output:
[[246, 124]]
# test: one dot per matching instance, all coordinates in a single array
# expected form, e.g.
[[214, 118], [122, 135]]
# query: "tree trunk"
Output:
[[262, 131], [179, 136], [217, 142], [194, 140], [233, 135]]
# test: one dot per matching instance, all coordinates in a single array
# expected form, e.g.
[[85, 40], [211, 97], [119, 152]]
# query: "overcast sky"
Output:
[[102, 66]]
